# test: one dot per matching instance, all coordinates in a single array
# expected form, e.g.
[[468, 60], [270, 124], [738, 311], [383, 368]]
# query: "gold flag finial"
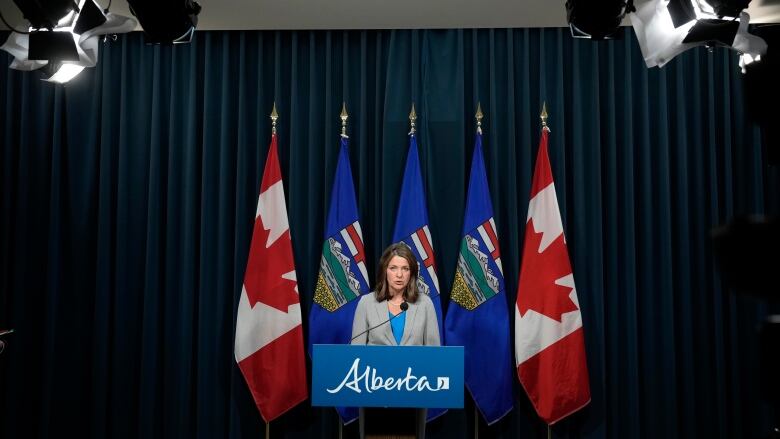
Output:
[[344, 116], [274, 117], [543, 115], [413, 119], [479, 117]]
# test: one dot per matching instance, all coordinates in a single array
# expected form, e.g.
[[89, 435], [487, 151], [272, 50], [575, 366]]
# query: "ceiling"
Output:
[[383, 14]]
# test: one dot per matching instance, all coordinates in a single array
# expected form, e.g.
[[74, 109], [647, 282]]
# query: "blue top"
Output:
[[398, 324]]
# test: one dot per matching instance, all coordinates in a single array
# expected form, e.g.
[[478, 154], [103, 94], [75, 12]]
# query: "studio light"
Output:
[[166, 22], [62, 37], [762, 91], [666, 28], [64, 72], [597, 20], [44, 14], [746, 254]]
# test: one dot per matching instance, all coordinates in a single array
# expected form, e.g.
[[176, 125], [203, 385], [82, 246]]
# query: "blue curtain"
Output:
[[127, 199]]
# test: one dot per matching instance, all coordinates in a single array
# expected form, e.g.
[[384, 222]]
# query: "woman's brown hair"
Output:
[[401, 250]]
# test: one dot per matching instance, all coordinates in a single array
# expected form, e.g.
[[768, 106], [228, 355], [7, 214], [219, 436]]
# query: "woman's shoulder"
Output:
[[367, 298], [423, 299]]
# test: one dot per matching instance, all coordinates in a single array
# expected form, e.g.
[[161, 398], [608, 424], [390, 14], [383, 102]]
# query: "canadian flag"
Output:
[[269, 337], [549, 338]]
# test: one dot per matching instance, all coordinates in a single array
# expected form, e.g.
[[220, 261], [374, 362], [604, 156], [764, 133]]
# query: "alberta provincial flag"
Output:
[[411, 227], [478, 315], [343, 276]]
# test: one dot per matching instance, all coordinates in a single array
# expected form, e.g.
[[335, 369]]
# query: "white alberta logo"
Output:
[[372, 382]]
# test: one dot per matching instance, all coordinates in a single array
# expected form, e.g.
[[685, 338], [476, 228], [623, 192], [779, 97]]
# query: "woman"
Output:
[[396, 285], [395, 314]]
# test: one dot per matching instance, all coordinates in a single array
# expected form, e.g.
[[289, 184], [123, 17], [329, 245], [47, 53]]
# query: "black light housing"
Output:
[[681, 12], [52, 46], [762, 91], [90, 17], [597, 20], [747, 254], [713, 31], [166, 21], [728, 8], [44, 14]]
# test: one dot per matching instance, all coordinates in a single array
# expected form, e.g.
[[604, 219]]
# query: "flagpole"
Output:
[[543, 116], [344, 116], [412, 120], [479, 117], [274, 117], [476, 422]]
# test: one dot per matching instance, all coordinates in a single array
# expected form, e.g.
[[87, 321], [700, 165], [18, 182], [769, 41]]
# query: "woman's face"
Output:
[[397, 275]]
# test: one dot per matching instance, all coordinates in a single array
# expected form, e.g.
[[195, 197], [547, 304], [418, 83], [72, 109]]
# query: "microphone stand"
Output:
[[404, 307]]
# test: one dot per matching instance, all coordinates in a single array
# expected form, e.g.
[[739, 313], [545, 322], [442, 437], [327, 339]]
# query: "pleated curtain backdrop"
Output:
[[128, 196]]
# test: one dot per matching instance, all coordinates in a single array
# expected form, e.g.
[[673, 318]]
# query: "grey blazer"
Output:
[[421, 327]]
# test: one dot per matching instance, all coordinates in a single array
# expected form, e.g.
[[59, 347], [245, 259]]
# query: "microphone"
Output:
[[404, 307]]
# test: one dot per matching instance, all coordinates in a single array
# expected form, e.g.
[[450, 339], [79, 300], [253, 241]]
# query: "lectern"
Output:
[[391, 384]]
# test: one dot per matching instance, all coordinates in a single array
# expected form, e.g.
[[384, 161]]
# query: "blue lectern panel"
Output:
[[387, 376]]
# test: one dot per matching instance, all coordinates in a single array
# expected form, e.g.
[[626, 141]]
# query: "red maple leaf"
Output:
[[264, 269], [537, 289]]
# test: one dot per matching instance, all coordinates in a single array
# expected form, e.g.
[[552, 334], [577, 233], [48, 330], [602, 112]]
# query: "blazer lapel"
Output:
[[411, 313], [385, 330]]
